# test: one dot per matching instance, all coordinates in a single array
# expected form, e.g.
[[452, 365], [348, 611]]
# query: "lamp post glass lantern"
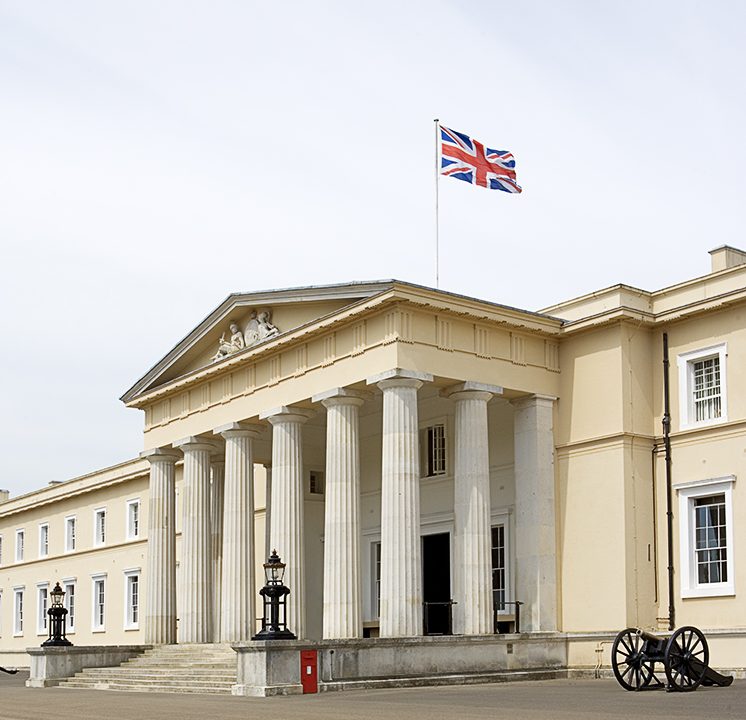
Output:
[[57, 619], [274, 595]]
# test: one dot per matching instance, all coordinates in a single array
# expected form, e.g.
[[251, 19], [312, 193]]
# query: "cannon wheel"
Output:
[[631, 667], [686, 659]]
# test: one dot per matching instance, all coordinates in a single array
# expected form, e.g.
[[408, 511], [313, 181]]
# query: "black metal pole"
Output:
[[669, 509]]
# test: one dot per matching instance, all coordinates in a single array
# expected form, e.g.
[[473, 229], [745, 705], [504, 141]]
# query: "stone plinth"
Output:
[[50, 665], [273, 668]]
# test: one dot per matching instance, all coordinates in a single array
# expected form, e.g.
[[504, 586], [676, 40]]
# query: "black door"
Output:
[[436, 583]]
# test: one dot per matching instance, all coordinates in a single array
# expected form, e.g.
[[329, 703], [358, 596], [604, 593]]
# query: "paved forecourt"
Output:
[[552, 699]]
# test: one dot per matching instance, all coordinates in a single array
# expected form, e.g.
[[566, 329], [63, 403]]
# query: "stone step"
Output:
[[157, 662], [159, 672], [75, 685], [187, 656], [207, 669], [176, 649], [159, 681], [184, 661], [225, 667]]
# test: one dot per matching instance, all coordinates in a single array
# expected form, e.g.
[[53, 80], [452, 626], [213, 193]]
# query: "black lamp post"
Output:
[[57, 621], [274, 594]]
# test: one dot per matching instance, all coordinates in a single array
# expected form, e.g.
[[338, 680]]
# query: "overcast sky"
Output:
[[156, 156]]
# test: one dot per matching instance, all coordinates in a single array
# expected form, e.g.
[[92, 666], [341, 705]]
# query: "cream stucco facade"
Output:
[[402, 447]]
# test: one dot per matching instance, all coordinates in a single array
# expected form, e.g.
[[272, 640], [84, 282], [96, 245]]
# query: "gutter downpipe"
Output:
[[669, 511]]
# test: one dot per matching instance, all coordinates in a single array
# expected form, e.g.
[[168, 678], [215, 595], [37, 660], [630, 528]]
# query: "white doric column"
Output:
[[535, 532], [471, 509], [343, 610], [286, 529], [160, 578], [216, 536], [238, 606], [401, 567], [196, 597]]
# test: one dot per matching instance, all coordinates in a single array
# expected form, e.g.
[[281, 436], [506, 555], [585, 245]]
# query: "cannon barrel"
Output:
[[650, 637]]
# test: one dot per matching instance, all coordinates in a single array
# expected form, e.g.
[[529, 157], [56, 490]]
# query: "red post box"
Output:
[[309, 671]]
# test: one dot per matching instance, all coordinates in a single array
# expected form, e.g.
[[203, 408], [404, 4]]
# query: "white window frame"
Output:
[[1, 549], [96, 626], [129, 623], [688, 493], [71, 521], [99, 530], [685, 362], [504, 518], [43, 539], [423, 429], [133, 533], [321, 479], [42, 605], [18, 617], [66, 584], [20, 547]]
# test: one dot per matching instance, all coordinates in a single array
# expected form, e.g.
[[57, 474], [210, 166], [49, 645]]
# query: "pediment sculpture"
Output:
[[258, 329]]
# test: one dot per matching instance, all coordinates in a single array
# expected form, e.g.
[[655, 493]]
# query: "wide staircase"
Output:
[[167, 668]]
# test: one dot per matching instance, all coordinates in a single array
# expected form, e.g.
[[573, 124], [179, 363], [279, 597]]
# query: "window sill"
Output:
[[131, 628], [705, 592], [435, 478], [98, 630], [703, 424], [18, 634]]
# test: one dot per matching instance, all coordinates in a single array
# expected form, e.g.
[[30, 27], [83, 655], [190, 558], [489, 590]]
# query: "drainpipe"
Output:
[[667, 446]]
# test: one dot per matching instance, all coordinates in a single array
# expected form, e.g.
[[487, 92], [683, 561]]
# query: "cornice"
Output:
[[255, 299], [654, 320], [252, 354], [395, 292], [74, 487]]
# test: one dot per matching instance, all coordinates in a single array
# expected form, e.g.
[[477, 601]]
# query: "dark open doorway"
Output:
[[436, 583]]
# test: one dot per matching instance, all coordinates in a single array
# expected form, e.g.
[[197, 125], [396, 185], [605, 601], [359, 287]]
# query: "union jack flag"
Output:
[[466, 159]]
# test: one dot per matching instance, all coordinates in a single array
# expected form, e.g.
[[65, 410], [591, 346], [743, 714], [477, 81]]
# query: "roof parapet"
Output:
[[725, 257]]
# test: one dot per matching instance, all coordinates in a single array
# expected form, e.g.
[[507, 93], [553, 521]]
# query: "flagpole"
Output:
[[437, 222]]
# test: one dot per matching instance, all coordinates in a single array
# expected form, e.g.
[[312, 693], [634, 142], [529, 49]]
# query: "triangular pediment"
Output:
[[246, 321]]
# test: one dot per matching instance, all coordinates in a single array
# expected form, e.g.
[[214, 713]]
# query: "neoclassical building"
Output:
[[421, 461]]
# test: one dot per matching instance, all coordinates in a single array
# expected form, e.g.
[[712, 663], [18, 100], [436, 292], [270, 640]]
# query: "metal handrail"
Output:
[[441, 603], [502, 603]]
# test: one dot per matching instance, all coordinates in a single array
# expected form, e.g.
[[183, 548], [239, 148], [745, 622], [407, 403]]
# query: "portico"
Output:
[[376, 431]]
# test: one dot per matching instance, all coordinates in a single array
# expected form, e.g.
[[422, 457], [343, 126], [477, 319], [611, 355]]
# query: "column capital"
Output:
[[196, 442], [528, 400], [398, 377], [341, 396], [164, 455], [471, 389], [287, 413], [238, 429]]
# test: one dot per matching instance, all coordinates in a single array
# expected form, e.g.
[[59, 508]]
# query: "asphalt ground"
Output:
[[550, 699]]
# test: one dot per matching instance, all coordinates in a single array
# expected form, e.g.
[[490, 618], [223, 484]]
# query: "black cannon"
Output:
[[684, 657]]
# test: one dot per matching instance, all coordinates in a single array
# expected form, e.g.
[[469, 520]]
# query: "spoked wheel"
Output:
[[686, 659], [632, 668]]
